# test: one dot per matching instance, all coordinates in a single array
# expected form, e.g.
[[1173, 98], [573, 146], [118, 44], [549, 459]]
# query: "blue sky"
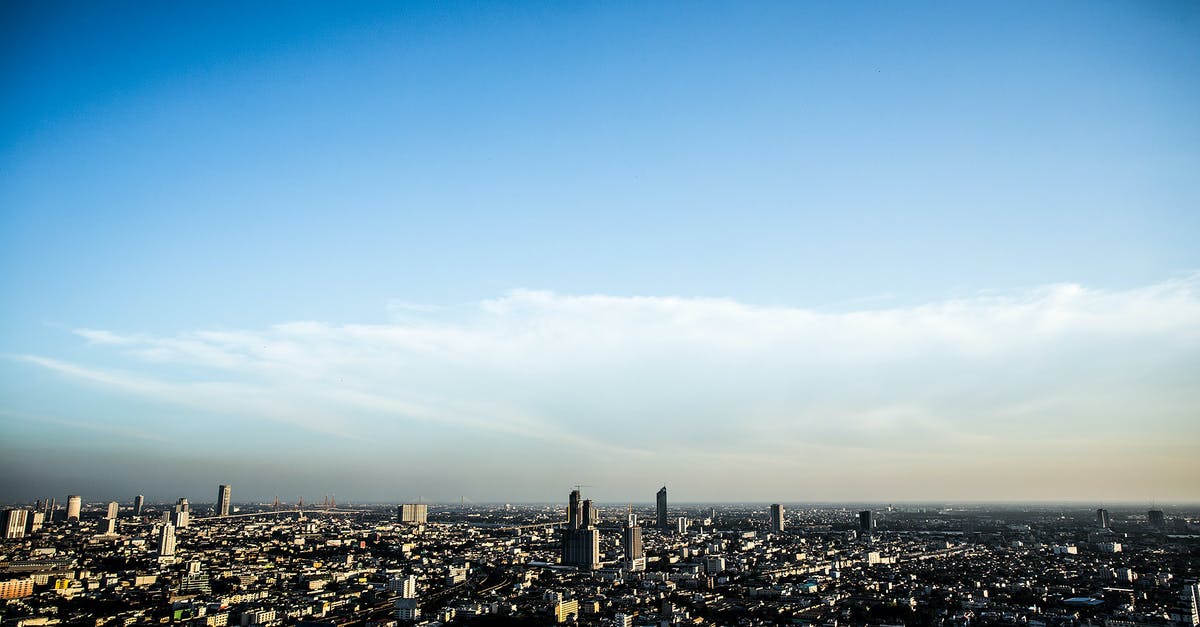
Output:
[[232, 237]]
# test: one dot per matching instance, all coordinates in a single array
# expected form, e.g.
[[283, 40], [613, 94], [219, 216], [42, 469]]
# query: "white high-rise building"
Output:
[[112, 510], [182, 513], [74, 504], [414, 513], [166, 541], [15, 521]]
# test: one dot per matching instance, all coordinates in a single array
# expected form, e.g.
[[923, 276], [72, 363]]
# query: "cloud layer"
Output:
[[1053, 380]]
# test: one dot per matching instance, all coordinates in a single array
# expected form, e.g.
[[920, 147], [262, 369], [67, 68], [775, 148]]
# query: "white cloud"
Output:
[[974, 377]]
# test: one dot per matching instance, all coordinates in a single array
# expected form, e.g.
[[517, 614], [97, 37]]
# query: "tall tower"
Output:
[[74, 504], [591, 517], [574, 511], [15, 521], [166, 541], [223, 500], [138, 502], [777, 518], [581, 539], [635, 555], [111, 513], [661, 521], [1157, 519], [866, 521], [1102, 518], [414, 513], [182, 513]]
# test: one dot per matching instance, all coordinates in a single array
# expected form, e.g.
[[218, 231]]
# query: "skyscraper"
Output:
[[777, 518], [74, 503], [113, 508], [138, 502], [15, 521], [662, 522], [591, 517], [223, 500], [414, 513], [574, 511], [182, 514], [166, 541], [580, 539], [1157, 519], [633, 543], [866, 521], [1102, 518]]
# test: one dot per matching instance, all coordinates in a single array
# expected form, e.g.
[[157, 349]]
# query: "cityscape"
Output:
[[663, 313], [580, 562]]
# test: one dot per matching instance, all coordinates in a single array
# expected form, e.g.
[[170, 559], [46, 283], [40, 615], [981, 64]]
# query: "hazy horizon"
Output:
[[826, 252]]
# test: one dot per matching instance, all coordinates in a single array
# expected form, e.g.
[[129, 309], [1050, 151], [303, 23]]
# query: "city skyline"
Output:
[[780, 253]]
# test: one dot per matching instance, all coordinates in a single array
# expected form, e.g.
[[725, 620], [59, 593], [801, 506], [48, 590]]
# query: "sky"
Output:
[[784, 252]]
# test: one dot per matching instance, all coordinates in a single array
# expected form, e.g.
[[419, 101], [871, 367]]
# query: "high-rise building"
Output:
[[777, 518], [35, 521], [661, 522], [580, 539], [74, 504], [574, 511], [182, 513], [591, 516], [681, 524], [138, 502], [635, 554], [866, 521], [110, 526], [1157, 519], [166, 541], [1102, 518], [414, 513], [15, 521], [223, 500], [113, 508]]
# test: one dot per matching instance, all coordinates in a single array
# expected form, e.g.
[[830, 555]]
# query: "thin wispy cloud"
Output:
[[983, 378]]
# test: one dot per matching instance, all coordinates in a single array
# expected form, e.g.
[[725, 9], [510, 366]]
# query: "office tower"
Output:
[[681, 525], [166, 541], [74, 503], [414, 513], [110, 526], [223, 500], [777, 518], [138, 502], [580, 540], [581, 548], [574, 511], [1157, 519], [591, 517], [1102, 518], [14, 523], [111, 513], [35, 521], [866, 521], [181, 514], [635, 554], [661, 521]]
